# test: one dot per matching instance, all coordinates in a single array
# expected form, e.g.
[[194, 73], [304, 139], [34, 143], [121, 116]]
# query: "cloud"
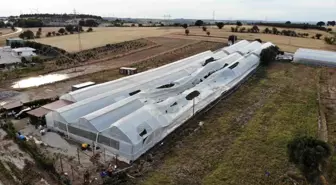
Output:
[[294, 10]]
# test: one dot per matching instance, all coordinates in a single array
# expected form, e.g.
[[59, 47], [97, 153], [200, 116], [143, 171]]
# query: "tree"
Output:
[[330, 40], [90, 30], [255, 29], [232, 29], [275, 30], [239, 23], [185, 26], [69, 28], [140, 25], [28, 34], [204, 28], [53, 33], [288, 22], [220, 25], [40, 29], [232, 39], [48, 34], [78, 28], [2, 24], [38, 34], [61, 31], [208, 33], [310, 156], [91, 23], [186, 32], [242, 29], [318, 35], [267, 30], [332, 23], [13, 28], [199, 23], [268, 55], [320, 24]]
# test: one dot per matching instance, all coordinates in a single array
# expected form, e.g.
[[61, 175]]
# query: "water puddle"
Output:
[[40, 80]]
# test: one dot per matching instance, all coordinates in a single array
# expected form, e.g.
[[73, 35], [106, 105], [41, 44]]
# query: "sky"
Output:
[[270, 10]]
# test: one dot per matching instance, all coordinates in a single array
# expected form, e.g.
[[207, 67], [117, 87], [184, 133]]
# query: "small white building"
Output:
[[24, 52]]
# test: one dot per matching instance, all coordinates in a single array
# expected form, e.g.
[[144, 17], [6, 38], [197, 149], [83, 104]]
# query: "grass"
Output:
[[246, 134]]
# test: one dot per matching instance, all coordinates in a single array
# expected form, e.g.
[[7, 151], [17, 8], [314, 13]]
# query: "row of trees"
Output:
[[63, 16], [28, 23], [88, 23]]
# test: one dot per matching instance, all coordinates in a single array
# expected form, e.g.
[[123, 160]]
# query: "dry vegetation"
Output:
[[244, 136], [4, 31], [101, 37], [286, 43]]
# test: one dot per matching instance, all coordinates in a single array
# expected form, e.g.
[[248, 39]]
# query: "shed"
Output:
[[128, 70], [13, 106], [9, 41], [38, 115]]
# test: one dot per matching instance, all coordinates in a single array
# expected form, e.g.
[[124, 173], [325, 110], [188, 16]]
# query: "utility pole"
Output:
[[78, 30], [213, 17]]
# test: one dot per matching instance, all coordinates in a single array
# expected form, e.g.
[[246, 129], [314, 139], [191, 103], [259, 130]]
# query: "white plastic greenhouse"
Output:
[[129, 116], [315, 57]]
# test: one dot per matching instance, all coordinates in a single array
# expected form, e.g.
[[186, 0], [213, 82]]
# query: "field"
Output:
[[4, 31], [244, 136], [289, 44], [101, 37]]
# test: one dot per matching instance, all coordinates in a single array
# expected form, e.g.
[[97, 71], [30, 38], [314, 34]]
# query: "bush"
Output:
[[242, 29], [90, 30], [187, 32], [48, 34], [330, 40], [232, 29], [318, 35], [53, 33], [199, 23], [61, 31], [329, 30], [27, 35], [268, 55], [140, 25], [275, 30], [208, 33], [239, 23], [36, 59], [69, 28], [220, 25], [204, 28], [58, 34], [267, 30], [185, 26], [255, 29]]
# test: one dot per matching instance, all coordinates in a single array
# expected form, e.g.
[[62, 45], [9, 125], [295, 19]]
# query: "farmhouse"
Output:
[[130, 115]]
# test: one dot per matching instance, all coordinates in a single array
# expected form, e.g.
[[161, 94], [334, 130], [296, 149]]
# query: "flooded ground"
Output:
[[40, 80]]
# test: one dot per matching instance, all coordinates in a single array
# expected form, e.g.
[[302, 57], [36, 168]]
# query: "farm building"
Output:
[[130, 115]]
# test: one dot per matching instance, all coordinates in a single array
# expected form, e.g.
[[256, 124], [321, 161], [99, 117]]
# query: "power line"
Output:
[[78, 30]]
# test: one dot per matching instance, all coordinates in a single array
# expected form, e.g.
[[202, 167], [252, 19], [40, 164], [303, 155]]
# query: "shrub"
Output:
[[242, 29], [330, 40], [199, 23], [61, 31], [232, 29], [185, 26], [187, 32], [268, 55], [239, 23], [310, 156], [58, 34], [220, 25], [90, 30], [274, 30], [255, 29], [318, 36], [208, 33], [36, 59], [204, 28], [69, 28], [266, 30], [140, 25], [133, 25], [53, 33], [28, 34], [66, 33], [48, 34]]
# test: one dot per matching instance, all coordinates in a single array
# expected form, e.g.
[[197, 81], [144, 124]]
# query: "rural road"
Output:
[[18, 30]]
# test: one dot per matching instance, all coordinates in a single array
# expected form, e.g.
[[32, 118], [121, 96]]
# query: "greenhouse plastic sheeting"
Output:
[[315, 57], [129, 125]]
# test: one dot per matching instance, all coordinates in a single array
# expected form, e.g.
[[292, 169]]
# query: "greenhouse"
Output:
[[315, 57], [135, 113]]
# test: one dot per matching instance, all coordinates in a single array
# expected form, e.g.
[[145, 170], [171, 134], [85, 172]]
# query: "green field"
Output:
[[246, 135]]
